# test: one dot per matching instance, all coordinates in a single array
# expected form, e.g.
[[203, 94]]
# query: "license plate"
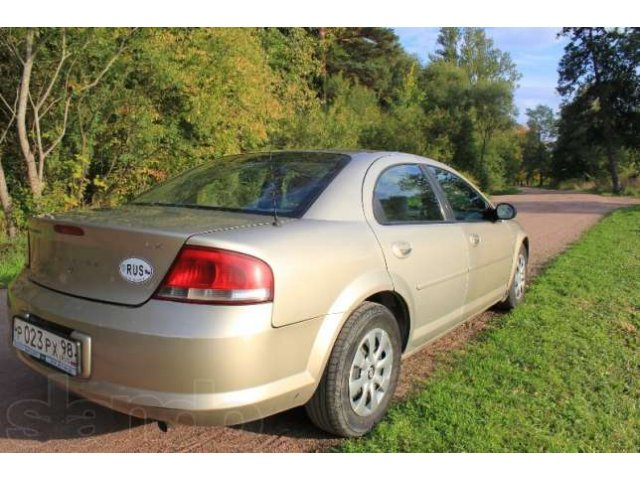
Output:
[[52, 348]]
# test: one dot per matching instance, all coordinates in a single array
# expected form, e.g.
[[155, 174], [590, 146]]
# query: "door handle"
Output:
[[474, 238], [401, 249]]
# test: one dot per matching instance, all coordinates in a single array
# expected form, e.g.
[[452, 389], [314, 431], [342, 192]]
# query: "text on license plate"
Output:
[[54, 349]]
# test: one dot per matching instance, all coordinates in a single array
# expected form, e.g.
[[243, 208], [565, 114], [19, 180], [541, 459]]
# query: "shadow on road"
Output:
[[33, 408], [37, 409]]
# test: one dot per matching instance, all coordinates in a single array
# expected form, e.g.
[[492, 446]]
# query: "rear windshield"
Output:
[[284, 182]]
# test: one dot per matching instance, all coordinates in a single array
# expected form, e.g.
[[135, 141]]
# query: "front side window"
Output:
[[284, 182], [403, 194], [467, 203]]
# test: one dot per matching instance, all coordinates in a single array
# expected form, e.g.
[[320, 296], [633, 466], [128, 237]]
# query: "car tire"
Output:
[[361, 374], [518, 281]]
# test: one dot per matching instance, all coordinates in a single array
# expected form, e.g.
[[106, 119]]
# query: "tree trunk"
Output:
[[610, 147], [5, 200], [612, 163], [23, 97], [483, 169], [605, 113]]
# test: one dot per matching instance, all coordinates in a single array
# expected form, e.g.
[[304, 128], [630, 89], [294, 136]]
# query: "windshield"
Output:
[[284, 182]]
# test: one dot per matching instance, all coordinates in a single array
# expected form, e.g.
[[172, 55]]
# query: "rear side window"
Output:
[[403, 194], [467, 203]]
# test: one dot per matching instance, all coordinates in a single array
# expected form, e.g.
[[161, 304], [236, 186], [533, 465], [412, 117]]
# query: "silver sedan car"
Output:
[[261, 282]]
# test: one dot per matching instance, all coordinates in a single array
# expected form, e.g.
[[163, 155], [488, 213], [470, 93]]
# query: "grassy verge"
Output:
[[12, 257], [506, 191], [561, 373], [602, 186]]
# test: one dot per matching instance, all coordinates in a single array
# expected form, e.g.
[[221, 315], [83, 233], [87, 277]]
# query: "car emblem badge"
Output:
[[136, 270]]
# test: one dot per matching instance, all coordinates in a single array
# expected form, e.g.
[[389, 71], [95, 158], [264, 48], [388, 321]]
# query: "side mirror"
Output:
[[505, 211]]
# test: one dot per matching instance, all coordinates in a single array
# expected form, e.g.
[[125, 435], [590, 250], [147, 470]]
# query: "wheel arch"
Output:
[[400, 310], [376, 287], [522, 241]]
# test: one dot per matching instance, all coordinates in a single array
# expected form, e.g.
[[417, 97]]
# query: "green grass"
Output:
[[506, 191], [561, 373], [602, 185], [12, 257]]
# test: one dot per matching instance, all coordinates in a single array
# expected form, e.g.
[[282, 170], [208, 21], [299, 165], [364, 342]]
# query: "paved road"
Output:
[[37, 417]]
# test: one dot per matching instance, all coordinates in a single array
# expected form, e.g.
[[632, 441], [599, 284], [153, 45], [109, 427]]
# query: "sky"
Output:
[[535, 51]]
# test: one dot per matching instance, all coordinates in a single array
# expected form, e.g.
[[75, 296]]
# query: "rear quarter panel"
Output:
[[320, 267]]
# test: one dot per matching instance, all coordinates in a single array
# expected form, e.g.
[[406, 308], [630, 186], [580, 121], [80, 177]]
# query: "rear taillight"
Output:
[[207, 275]]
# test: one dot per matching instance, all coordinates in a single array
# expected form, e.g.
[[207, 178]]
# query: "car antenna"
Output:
[[274, 204]]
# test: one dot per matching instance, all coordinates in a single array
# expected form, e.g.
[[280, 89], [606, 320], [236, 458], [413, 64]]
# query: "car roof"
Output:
[[366, 156]]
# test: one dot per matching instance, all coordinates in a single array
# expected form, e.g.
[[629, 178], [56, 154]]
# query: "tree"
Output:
[[601, 66], [91, 116], [8, 117], [465, 153], [45, 61], [578, 152], [448, 45], [180, 97], [370, 56], [509, 149], [469, 86], [404, 125], [484, 62], [538, 142], [493, 78], [452, 118], [493, 104], [293, 56]]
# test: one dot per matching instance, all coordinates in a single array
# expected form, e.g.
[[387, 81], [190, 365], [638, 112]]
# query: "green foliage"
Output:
[[448, 45], [469, 94], [353, 110], [508, 151], [369, 56], [538, 143], [12, 258], [404, 126], [182, 97], [559, 374], [146, 104], [599, 78], [601, 183]]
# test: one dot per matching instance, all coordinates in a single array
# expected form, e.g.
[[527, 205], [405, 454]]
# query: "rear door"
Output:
[[490, 244], [426, 254]]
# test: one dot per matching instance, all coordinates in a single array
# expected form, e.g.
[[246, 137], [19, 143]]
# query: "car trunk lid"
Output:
[[119, 255]]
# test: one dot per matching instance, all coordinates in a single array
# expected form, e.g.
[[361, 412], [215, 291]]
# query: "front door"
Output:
[[490, 242]]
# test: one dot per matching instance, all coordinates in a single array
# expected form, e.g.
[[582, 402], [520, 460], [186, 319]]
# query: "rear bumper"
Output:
[[179, 362]]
